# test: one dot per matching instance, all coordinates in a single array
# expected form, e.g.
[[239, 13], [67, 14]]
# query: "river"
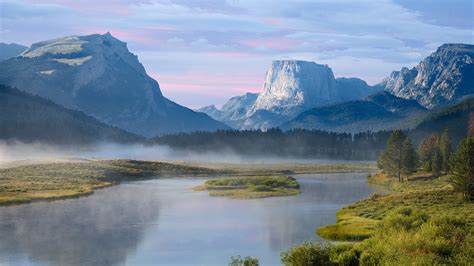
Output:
[[164, 222]]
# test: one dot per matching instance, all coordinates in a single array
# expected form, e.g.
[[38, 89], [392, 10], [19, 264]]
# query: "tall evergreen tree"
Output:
[[446, 150], [409, 158], [436, 162], [463, 168], [392, 159]]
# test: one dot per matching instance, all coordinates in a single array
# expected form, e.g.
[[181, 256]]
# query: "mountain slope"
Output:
[[380, 111], [455, 118], [29, 118], [444, 77], [11, 50], [233, 112], [97, 74]]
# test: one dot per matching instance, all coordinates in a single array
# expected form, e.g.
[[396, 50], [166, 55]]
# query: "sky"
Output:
[[203, 52]]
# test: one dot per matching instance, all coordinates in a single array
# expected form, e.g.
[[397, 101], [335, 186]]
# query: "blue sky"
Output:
[[203, 52]]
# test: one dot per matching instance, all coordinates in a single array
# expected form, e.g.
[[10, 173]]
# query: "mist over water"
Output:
[[12, 151], [164, 221]]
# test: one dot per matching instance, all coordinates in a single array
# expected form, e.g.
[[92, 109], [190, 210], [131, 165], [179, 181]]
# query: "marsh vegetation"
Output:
[[252, 187]]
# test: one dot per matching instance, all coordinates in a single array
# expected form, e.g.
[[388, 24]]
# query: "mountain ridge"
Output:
[[98, 75], [441, 78]]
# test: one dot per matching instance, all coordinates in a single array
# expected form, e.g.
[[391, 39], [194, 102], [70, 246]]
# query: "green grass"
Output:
[[251, 187], [26, 183], [434, 196]]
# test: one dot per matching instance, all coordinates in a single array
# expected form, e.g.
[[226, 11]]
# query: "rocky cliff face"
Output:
[[446, 76], [292, 87], [97, 74]]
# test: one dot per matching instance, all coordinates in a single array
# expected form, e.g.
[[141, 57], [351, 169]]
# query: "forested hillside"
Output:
[[29, 118], [320, 144]]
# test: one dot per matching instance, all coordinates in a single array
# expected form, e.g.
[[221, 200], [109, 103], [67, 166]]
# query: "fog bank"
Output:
[[15, 151]]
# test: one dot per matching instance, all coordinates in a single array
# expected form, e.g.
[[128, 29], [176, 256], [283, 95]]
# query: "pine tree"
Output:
[[463, 168], [446, 150], [409, 158], [392, 160], [436, 162]]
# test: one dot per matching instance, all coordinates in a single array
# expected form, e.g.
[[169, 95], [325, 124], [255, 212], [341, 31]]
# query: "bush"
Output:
[[368, 259], [247, 261], [344, 254], [307, 254]]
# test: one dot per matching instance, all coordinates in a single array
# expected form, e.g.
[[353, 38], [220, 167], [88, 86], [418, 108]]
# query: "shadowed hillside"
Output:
[[29, 118]]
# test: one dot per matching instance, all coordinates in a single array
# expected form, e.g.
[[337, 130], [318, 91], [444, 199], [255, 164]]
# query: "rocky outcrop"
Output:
[[444, 77]]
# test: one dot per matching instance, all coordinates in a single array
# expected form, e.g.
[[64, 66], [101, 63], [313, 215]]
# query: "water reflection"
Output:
[[98, 230], [164, 222]]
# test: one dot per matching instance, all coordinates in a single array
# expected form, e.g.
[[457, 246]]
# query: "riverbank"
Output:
[[28, 181], [421, 191]]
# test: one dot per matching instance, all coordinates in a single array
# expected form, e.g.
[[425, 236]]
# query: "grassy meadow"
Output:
[[423, 221]]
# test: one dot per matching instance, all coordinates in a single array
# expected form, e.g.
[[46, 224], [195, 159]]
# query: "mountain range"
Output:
[[290, 87], [444, 77], [95, 83], [96, 74], [299, 94]]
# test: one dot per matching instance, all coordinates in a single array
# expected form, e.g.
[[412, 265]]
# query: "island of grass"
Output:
[[251, 187]]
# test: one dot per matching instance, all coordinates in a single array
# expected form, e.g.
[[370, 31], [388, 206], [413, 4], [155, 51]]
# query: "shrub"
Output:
[[307, 254], [247, 261]]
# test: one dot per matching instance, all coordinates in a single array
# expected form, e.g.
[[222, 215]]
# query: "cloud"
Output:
[[230, 38]]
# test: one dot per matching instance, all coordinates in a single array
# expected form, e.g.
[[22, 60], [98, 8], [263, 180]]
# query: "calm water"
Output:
[[163, 222]]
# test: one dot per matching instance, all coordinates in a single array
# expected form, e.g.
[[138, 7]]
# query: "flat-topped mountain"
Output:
[[292, 86], [97, 74], [444, 77]]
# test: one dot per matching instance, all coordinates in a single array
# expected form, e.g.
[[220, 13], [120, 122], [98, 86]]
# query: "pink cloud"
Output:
[[208, 84], [274, 21]]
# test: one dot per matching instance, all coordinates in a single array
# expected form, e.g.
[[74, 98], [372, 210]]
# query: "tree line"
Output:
[[434, 155], [275, 142]]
